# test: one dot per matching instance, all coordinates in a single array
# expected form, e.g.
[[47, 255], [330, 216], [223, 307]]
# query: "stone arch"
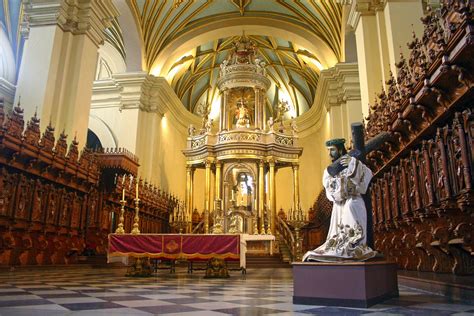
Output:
[[234, 27], [131, 37], [7, 58], [109, 62], [105, 134]]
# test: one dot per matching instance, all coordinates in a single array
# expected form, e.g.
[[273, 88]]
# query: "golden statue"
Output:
[[242, 114]]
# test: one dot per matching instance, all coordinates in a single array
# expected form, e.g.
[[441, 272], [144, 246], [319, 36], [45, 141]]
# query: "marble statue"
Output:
[[346, 239]]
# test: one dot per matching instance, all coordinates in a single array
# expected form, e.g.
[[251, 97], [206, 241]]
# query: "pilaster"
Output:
[[60, 58], [339, 93]]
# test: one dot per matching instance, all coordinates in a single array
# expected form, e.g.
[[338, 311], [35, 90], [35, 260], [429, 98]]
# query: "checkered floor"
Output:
[[86, 291]]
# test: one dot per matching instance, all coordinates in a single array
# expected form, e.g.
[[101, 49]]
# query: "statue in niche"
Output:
[[346, 239], [242, 114]]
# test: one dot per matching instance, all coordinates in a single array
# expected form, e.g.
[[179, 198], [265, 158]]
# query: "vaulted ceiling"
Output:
[[294, 78], [292, 67]]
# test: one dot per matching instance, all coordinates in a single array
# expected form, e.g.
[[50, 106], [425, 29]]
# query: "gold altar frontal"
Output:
[[245, 151]]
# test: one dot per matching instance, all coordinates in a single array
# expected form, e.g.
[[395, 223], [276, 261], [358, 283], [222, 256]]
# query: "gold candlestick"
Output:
[[120, 229], [298, 221], [136, 219]]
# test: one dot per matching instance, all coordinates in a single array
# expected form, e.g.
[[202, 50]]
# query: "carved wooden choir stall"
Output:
[[422, 192], [56, 203]]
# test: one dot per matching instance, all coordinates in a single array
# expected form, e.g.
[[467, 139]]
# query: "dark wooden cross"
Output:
[[359, 151]]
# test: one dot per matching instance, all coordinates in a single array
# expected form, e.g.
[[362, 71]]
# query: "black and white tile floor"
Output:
[[88, 291]]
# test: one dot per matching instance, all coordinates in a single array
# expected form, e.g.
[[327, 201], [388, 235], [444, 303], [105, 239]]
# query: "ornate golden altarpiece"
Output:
[[244, 152]]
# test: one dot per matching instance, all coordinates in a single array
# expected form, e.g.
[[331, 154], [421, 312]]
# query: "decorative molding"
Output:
[[90, 17], [369, 7], [159, 97], [336, 85], [123, 90], [353, 17]]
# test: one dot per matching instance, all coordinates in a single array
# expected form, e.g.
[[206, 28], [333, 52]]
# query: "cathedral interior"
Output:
[[208, 119]]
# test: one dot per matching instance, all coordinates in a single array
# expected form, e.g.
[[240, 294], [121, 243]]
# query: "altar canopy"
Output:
[[176, 246]]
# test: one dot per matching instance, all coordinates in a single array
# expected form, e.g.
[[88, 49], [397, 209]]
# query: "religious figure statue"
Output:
[[223, 67], [346, 239], [294, 127], [208, 125], [281, 109], [242, 114], [204, 109], [270, 123], [191, 130]]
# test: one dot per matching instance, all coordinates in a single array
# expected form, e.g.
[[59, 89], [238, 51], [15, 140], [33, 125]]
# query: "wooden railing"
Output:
[[287, 236]]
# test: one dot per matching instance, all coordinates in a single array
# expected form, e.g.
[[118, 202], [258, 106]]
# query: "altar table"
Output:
[[191, 247]]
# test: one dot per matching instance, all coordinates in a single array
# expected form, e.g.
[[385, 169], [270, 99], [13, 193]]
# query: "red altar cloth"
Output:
[[171, 246]]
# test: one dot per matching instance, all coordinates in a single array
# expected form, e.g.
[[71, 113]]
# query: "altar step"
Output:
[[274, 261]]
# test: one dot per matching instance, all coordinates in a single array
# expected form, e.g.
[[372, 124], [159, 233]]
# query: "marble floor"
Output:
[[88, 291]]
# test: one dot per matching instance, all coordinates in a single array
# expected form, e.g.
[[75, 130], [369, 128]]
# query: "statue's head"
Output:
[[336, 148]]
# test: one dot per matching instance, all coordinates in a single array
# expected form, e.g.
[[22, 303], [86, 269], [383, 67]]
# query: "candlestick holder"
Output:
[[255, 224], [297, 220], [120, 229], [136, 219], [179, 225]]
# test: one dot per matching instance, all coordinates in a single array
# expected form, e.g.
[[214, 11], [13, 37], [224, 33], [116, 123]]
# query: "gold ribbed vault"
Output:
[[293, 69]]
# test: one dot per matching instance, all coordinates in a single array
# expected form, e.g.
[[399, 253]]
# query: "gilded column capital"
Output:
[[208, 163], [271, 161], [90, 17]]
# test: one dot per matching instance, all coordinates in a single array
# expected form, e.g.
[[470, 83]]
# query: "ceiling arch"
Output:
[[185, 40], [162, 22], [294, 77]]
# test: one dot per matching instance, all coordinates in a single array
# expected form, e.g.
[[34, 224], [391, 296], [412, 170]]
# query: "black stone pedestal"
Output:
[[351, 284]]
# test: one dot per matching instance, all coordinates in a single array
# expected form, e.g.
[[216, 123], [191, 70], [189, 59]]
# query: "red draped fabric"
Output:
[[170, 246]]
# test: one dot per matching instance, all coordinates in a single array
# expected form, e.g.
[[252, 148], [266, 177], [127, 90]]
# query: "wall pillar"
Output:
[[261, 195], [188, 189], [218, 194], [271, 178], [296, 187], [368, 57], [60, 59], [225, 118], [340, 92], [402, 18], [207, 197]]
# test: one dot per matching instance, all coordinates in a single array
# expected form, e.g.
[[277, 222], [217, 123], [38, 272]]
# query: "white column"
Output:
[[59, 61], [368, 57], [402, 17]]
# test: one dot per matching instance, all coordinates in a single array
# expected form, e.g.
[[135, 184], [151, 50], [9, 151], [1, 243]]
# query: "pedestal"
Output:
[[352, 284]]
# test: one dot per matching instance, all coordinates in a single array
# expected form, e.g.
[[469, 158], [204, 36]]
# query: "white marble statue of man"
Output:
[[347, 238]]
